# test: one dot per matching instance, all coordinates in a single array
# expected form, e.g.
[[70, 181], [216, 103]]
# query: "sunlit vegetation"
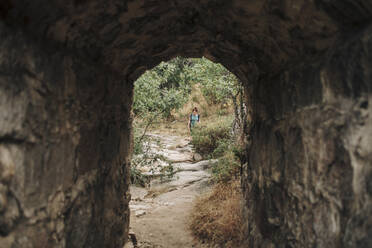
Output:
[[163, 99]]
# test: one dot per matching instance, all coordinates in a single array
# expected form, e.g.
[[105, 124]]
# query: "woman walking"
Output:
[[193, 119]]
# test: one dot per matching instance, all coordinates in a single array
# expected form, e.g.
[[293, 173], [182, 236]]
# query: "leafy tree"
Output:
[[160, 90], [219, 85], [166, 87]]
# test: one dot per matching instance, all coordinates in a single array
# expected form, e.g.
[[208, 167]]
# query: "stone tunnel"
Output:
[[67, 70]]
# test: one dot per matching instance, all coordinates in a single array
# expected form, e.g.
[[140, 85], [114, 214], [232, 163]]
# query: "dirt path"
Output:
[[160, 213]]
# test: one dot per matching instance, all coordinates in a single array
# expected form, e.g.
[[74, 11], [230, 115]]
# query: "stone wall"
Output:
[[307, 180], [64, 145]]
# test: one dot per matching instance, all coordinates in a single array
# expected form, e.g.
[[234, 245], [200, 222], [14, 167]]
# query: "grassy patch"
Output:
[[208, 136], [227, 168], [217, 217], [214, 140]]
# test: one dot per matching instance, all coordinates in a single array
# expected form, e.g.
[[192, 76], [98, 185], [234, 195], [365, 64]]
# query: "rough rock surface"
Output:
[[308, 170], [64, 135], [66, 76]]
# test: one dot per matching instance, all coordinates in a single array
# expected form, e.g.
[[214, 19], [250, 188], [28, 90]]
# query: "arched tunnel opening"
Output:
[[185, 177], [66, 89]]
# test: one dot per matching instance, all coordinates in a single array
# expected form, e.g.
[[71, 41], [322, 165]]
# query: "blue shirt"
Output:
[[193, 119]]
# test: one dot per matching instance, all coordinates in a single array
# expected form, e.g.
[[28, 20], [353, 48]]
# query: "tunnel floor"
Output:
[[160, 212]]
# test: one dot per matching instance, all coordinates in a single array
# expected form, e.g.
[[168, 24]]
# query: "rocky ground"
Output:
[[160, 212]]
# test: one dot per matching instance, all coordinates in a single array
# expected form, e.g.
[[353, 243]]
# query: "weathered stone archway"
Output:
[[66, 75]]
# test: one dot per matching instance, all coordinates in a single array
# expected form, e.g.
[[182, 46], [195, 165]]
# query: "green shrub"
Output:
[[222, 147], [227, 168], [215, 141], [206, 139]]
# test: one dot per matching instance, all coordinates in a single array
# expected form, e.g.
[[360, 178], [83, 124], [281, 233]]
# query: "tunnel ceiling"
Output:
[[130, 36]]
